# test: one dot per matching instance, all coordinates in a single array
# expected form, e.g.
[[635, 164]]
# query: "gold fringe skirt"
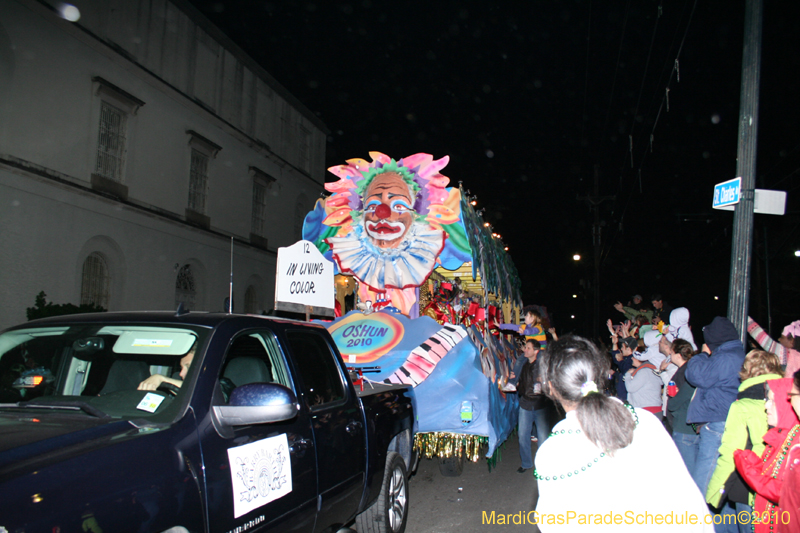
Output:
[[443, 444]]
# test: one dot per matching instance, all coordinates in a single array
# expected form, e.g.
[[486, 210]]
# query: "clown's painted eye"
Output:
[[399, 206], [371, 206]]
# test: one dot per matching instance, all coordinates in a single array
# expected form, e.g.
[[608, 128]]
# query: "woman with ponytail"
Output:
[[607, 459]]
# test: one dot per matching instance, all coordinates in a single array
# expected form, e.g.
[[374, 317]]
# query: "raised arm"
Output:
[[765, 341]]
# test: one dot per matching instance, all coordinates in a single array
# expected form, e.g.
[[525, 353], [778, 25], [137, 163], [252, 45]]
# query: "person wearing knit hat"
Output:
[[715, 373]]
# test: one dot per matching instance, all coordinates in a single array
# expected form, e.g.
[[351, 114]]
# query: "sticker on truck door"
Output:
[[260, 473]]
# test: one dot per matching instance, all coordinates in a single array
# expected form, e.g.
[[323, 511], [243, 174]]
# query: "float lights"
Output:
[[716, 297], [572, 316], [797, 253], [485, 224], [506, 248], [574, 295], [473, 202], [576, 257]]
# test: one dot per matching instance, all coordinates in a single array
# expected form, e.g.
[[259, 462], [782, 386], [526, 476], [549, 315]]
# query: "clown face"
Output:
[[388, 210]]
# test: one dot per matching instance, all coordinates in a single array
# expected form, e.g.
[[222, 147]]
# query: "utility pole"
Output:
[[594, 202], [741, 252]]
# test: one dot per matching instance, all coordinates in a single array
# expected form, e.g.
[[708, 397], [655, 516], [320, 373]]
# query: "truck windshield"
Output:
[[117, 370]]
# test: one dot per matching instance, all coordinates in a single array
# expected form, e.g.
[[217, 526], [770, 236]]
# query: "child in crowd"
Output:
[[532, 328]]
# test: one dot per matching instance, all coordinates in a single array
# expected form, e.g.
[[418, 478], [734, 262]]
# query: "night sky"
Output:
[[531, 98]]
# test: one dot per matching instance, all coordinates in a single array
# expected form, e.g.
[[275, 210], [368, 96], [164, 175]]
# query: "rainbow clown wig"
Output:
[[389, 223]]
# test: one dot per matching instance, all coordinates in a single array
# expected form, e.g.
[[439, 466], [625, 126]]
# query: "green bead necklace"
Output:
[[583, 468]]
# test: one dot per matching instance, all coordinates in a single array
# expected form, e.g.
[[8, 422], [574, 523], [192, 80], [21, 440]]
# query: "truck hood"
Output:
[[32, 437]]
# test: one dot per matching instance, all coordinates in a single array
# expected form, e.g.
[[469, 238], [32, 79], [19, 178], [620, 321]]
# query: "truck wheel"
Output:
[[451, 466], [389, 513]]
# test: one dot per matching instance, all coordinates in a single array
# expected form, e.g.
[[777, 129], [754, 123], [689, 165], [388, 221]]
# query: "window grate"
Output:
[[250, 301], [259, 208], [305, 149], [111, 143], [95, 281], [198, 182], [185, 288]]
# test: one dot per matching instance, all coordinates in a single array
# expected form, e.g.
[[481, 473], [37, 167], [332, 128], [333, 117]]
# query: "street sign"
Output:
[[304, 278], [765, 202], [727, 193]]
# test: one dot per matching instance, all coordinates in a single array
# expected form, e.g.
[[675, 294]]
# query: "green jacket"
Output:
[[746, 416], [631, 313]]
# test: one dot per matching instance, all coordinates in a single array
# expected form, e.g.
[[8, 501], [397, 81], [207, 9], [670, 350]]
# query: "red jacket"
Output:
[[765, 474]]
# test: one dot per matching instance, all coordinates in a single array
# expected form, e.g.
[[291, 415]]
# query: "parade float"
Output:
[[420, 283]]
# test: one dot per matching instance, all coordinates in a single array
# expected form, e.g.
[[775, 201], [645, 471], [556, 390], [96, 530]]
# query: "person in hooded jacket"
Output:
[[765, 474], [644, 387], [715, 373], [787, 347], [679, 326], [652, 353], [744, 429]]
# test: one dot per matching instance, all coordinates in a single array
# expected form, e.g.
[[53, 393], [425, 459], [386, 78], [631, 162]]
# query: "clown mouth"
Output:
[[385, 230]]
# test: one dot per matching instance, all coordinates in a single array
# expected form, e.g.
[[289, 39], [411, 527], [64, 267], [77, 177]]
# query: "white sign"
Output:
[[150, 402], [260, 473], [304, 278], [766, 202], [727, 193]]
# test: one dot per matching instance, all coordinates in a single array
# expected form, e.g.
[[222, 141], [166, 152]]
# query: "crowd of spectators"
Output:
[[716, 401], [732, 417]]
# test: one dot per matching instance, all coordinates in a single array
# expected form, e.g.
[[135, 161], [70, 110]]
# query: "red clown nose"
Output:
[[383, 211]]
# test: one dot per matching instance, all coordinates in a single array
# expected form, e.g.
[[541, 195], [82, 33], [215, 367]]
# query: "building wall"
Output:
[[185, 85]]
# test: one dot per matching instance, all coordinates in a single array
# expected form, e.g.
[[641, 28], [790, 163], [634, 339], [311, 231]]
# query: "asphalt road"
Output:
[[464, 504]]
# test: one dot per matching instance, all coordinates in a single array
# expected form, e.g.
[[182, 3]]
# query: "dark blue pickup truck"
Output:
[[178, 422]]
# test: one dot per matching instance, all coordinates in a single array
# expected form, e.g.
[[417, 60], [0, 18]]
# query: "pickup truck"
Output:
[[179, 422]]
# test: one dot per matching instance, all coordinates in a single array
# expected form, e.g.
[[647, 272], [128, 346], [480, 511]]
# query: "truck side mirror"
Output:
[[257, 403]]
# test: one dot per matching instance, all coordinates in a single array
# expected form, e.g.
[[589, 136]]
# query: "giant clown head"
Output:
[[387, 223], [388, 201]]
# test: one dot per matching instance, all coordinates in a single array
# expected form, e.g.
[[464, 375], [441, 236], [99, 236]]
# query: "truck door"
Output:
[[260, 477], [337, 420]]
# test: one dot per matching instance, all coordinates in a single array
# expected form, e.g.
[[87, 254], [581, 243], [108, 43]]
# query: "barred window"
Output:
[[300, 211], [111, 143], [95, 281], [198, 182], [259, 208], [305, 149], [185, 288], [250, 300]]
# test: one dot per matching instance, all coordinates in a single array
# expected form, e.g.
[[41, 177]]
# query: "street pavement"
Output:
[[464, 504]]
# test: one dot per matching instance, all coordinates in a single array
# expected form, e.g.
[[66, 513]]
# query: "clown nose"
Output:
[[383, 211]]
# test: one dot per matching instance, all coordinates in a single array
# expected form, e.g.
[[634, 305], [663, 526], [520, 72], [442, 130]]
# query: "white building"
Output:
[[135, 143]]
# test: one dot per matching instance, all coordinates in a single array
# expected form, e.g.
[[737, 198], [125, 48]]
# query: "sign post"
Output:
[[766, 202], [304, 281]]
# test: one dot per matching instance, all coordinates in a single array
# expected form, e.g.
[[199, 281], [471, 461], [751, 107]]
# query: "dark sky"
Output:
[[531, 98]]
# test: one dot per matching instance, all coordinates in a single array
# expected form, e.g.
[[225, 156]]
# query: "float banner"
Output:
[[455, 372], [303, 278], [364, 338]]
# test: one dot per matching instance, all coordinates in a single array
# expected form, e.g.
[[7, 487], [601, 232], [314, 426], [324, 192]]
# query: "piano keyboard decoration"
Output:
[[423, 359]]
